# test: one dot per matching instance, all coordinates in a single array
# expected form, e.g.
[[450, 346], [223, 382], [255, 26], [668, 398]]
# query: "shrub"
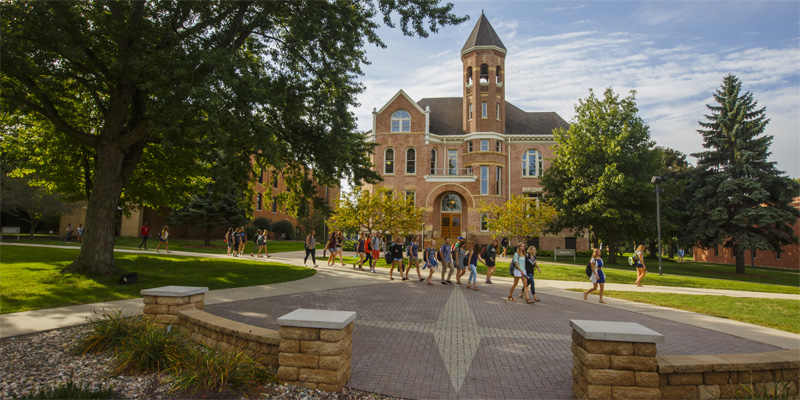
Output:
[[544, 253], [349, 245], [262, 223], [109, 331], [150, 350], [584, 254], [283, 227], [72, 391], [209, 370]]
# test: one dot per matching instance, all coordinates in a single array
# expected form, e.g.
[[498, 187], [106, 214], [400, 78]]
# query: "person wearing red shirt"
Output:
[[145, 230]]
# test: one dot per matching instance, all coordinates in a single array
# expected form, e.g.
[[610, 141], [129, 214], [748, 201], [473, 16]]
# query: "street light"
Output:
[[656, 180]]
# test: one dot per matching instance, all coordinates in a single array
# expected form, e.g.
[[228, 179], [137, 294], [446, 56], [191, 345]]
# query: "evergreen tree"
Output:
[[739, 198], [600, 177]]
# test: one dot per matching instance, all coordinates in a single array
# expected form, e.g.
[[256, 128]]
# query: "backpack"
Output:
[[483, 252], [439, 256], [589, 269], [511, 268], [633, 261], [128, 279]]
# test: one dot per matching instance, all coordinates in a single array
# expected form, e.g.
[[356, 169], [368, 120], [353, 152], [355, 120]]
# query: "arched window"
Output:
[[401, 121], [484, 74], [498, 76], [411, 161], [531, 163], [388, 161], [451, 203], [468, 80], [433, 161]]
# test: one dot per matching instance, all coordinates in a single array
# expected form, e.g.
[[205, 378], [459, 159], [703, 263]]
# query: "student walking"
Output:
[[237, 242], [311, 249], [504, 245], [69, 232], [163, 238], [430, 260], [261, 243], [228, 239], [360, 250], [473, 256], [598, 276], [459, 252], [375, 247], [446, 253], [517, 266], [489, 257], [331, 246], [145, 232], [638, 259], [413, 258], [339, 247], [397, 257], [243, 236], [79, 231], [530, 265]]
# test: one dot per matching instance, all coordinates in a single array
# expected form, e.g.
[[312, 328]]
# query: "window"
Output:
[[411, 196], [498, 77], [259, 199], [469, 77], [469, 170], [498, 146], [497, 110], [485, 145], [569, 243], [484, 222], [484, 180], [469, 110], [388, 161], [274, 205], [411, 161], [534, 197], [777, 256], [401, 121], [484, 78], [433, 161], [483, 110], [499, 180], [534, 241], [261, 177], [451, 203], [469, 146], [531, 163], [452, 162], [275, 181]]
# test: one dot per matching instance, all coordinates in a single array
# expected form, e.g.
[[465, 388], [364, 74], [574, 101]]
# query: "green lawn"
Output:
[[628, 275], [30, 278], [772, 313], [197, 246]]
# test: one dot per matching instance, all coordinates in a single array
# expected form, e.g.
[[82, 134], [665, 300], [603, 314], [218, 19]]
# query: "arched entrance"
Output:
[[451, 215]]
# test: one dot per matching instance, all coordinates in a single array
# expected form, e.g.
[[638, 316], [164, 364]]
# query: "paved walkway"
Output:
[[420, 341]]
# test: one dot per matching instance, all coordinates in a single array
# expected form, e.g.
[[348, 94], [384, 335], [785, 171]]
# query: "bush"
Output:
[[150, 350], [211, 371], [72, 391], [349, 245], [109, 331], [283, 227], [262, 223], [544, 253], [582, 254], [251, 232]]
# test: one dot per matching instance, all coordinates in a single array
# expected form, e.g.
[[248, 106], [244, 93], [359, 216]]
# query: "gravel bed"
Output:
[[42, 360]]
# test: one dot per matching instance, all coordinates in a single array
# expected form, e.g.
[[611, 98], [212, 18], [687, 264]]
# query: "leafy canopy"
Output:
[[382, 211], [520, 216]]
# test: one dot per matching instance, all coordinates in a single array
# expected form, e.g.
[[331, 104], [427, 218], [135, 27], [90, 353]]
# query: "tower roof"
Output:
[[483, 35]]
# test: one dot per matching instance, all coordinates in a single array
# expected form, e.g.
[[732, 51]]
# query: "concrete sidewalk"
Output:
[[346, 277]]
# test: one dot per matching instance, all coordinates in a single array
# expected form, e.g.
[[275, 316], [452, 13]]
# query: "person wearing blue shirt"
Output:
[[430, 259], [447, 262], [412, 251], [598, 277]]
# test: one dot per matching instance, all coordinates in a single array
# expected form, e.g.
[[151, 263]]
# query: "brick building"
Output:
[[449, 153], [788, 258]]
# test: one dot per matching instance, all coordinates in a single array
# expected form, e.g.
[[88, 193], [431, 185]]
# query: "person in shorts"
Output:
[[396, 250], [459, 251], [430, 259], [504, 244], [360, 250], [375, 244], [413, 258], [641, 269]]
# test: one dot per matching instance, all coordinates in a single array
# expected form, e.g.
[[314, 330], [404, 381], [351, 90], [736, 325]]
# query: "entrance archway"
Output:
[[451, 215]]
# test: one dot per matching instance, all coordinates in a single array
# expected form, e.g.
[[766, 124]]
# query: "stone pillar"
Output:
[[614, 360], [162, 304], [315, 348]]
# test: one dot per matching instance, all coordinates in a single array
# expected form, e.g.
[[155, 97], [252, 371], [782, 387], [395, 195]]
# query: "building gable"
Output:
[[400, 101]]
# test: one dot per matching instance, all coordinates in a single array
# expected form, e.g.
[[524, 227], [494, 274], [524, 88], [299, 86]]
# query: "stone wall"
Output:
[[618, 360], [260, 343], [316, 358], [729, 376]]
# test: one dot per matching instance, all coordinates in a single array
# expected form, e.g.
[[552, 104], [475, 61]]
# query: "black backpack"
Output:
[[589, 270], [129, 279]]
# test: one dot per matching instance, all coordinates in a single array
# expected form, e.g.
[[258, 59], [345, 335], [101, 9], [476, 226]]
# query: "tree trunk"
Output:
[[612, 255], [739, 254], [653, 249], [207, 240], [97, 253], [671, 248]]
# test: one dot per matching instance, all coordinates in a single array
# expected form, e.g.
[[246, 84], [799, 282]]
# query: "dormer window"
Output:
[[401, 121], [484, 78]]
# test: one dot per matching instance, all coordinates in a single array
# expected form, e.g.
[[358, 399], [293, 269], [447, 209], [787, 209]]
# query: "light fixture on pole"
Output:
[[656, 180]]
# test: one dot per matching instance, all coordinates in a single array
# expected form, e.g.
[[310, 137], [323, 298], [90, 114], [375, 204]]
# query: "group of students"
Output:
[[598, 277], [163, 237], [237, 241]]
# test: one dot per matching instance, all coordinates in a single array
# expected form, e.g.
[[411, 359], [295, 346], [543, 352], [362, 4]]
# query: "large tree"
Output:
[[739, 198], [599, 178], [121, 82]]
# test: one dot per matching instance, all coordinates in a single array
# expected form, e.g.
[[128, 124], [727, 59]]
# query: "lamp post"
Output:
[[656, 180]]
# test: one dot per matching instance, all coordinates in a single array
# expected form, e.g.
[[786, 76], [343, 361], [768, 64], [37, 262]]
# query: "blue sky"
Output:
[[673, 53]]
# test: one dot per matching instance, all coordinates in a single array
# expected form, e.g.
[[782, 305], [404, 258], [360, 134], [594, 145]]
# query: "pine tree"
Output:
[[739, 198]]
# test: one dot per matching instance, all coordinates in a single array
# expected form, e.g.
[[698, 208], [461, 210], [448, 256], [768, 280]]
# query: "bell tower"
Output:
[[483, 60]]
